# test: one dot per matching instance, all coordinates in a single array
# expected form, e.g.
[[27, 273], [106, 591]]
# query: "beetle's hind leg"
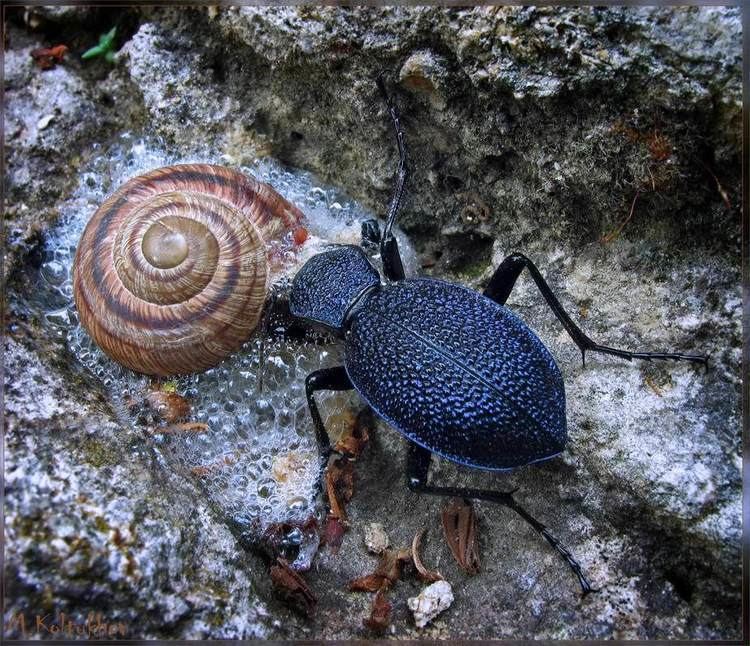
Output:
[[503, 280], [418, 466]]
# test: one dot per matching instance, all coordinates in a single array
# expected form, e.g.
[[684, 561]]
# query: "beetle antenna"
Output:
[[402, 172]]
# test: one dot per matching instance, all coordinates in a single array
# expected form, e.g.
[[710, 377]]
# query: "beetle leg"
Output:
[[418, 466], [324, 379], [393, 268], [503, 280]]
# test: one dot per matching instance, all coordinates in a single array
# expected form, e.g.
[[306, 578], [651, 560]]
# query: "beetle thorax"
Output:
[[329, 284]]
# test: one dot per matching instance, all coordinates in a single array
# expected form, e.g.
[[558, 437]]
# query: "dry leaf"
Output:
[[169, 406], [391, 563], [387, 572], [293, 587], [47, 58], [339, 486], [354, 442], [369, 583], [460, 527], [380, 615], [333, 533]]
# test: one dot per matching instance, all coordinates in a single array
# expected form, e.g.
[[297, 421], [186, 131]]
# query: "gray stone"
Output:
[[602, 143]]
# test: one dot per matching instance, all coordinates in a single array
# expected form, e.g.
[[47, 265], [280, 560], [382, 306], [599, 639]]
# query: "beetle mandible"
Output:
[[452, 370]]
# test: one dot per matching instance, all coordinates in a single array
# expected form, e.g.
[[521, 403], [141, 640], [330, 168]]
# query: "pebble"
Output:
[[376, 539], [431, 602], [44, 121]]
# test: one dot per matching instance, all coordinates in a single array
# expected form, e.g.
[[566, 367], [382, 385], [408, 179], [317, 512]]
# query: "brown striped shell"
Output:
[[171, 272]]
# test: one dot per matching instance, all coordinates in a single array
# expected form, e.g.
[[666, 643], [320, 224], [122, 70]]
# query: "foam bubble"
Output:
[[257, 461]]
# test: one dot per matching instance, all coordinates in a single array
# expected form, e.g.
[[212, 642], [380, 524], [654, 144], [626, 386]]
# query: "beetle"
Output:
[[454, 371]]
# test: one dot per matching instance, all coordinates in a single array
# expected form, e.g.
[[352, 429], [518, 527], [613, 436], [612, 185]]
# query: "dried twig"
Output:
[[611, 236], [424, 573]]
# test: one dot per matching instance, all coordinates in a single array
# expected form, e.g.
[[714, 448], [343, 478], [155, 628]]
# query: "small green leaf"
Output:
[[104, 48], [90, 53], [108, 39]]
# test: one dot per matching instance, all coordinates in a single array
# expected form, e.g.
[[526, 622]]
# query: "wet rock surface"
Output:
[[604, 144]]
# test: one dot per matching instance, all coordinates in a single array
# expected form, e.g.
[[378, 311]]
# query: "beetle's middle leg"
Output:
[[418, 466], [503, 280]]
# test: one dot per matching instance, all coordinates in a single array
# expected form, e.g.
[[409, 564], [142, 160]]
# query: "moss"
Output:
[[473, 271], [101, 524], [32, 527], [98, 454]]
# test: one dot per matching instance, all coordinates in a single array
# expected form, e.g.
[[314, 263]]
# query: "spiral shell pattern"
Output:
[[171, 272]]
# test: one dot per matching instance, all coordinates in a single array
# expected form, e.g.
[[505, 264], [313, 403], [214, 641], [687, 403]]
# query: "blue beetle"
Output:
[[454, 371]]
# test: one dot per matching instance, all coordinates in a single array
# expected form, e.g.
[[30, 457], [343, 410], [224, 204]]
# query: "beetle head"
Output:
[[329, 283]]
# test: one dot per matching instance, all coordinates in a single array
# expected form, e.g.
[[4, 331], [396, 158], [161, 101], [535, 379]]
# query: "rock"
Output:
[[376, 539], [433, 600], [602, 142], [93, 527], [425, 72]]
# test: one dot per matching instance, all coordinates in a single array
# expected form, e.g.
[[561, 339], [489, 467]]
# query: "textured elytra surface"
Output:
[[329, 283], [458, 374]]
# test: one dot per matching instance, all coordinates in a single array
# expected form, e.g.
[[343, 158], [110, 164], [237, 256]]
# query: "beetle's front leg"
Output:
[[418, 466], [503, 280], [324, 379]]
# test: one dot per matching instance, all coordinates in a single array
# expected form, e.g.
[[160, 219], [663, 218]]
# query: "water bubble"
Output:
[[59, 318], [54, 272], [247, 431], [297, 503]]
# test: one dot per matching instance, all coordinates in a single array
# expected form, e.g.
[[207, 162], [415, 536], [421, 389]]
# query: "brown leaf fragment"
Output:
[[333, 533], [168, 406], [185, 427], [424, 573], [348, 445], [380, 615], [391, 563], [339, 486], [387, 572], [46, 58], [369, 583], [460, 528], [353, 443], [274, 541], [293, 587]]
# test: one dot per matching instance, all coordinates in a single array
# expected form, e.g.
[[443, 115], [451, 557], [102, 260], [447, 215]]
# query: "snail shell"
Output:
[[171, 272]]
